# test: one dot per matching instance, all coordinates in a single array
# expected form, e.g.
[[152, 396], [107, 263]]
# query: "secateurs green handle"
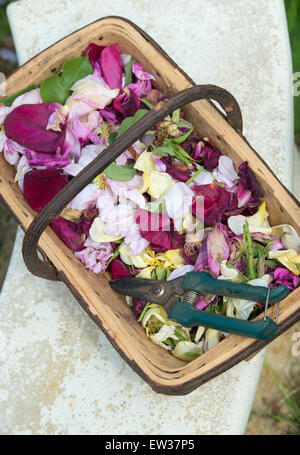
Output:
[[179, 296], [205, 284], [189, 316]]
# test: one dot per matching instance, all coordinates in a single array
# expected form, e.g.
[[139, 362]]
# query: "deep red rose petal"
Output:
[[118, 269], [40, 186]]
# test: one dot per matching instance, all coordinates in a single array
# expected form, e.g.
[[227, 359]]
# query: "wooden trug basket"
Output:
[[163, 372]]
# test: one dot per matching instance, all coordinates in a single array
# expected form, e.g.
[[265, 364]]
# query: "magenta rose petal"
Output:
[[27, 125], [40, 186], [286, 278], [111, 66]]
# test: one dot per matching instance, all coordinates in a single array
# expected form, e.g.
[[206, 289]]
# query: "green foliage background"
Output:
[[4, 27], [293, 17]]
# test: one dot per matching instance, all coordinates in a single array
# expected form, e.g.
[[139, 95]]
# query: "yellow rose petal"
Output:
[[126, 256], [97, 232], [145, 163], [159, 184], [289, 258], [175, 257], [146, 183], [145, 273]]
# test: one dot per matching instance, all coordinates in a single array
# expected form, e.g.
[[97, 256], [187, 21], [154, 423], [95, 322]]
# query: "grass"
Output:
[[291, 400]]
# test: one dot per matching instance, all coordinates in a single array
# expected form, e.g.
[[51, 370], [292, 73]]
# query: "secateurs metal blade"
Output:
[[179, 296]]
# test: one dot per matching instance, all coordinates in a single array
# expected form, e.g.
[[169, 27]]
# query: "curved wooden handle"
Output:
[[59, 202]]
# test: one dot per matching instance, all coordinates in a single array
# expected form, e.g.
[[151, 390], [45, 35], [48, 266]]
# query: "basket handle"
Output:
[[45, 269]]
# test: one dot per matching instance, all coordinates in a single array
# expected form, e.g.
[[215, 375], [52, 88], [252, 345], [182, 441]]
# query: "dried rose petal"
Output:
[[191, 143], [249, 192], [215, 200], [137, 306], [202, 259], [155, 96], [118, 269], [111, 66], [284, 277], [218, 248], [70, 233], [210, 157], [27, 125], [93, 51], [159, 230], [127, 103], [40, 186], [174, 172]]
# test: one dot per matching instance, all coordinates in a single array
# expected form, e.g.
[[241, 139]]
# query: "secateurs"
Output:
[[179, 296]]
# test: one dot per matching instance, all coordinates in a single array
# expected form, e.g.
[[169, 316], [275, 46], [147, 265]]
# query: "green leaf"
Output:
[[8, 100], [181, 139], [112, 138], [176, 116], [121, 173], [165, 151], [130, 121], [54, 91], [147, 103], [75, 69], [128, 72]]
